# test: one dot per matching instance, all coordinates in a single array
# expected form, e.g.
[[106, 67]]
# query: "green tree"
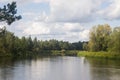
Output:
[[35, 45], [7, 43], [30, 43], [77, 45], [114, 44], [17, 46], [8, 14], [99, 38], [85, 46]]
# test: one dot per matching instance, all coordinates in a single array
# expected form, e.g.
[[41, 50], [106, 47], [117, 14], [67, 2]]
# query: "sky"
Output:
[[67, 20]]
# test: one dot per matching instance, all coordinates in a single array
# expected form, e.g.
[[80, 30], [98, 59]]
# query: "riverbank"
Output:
[[106, 55], [43, 53]]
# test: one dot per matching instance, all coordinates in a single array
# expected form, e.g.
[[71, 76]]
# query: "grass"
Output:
[[107, 55]]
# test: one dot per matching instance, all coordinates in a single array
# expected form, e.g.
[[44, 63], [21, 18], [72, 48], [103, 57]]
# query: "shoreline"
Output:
[[105, 55]]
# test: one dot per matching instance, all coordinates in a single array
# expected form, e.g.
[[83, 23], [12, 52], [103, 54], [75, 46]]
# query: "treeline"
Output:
[[104, 38], [13, 45]]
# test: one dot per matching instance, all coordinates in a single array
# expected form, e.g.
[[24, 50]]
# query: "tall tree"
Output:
[[114, 44], [30, 43], [99, 38]]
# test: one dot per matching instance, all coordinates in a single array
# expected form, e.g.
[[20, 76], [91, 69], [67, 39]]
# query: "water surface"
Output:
[[59, 68]]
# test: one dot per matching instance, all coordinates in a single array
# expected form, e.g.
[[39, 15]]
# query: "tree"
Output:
[[7, 39], [8, 13], [35, 45], [99, 38], [78, 45], [7, 43], [114, 44], [85, 46], [30, 43]]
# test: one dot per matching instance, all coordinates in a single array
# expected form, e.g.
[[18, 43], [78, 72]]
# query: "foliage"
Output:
[[85, 46], [114, 44], [26, 46], [99, 38], [6, 42], [8, 13], [107, 55]]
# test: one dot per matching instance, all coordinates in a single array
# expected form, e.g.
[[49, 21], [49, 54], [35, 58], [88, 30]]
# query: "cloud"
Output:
[[52, 28], [24, 1], [73, 10], [60, 31], [4, 0], [37, 28], [63, 19], [112, 11], [83, 11], [78, 10], [42, 17], [73, 27], [84, 34], [39, 1]]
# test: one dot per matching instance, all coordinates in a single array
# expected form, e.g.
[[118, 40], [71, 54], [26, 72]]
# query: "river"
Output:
[[59, 68]]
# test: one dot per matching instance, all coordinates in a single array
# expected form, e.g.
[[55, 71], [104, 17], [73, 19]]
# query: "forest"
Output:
[[11, 44]]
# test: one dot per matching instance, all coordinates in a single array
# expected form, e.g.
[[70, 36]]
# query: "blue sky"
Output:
[[68, 20]]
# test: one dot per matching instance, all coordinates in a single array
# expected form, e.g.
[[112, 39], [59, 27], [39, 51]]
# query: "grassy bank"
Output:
[[106, 55]]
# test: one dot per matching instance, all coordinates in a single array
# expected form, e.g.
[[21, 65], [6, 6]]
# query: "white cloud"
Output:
[[38, 1], [84, 35], [37, 28], [78, 10], [41, 17], [60, 31], [64, 20], [24, 1], [73, 10], [4, 0], [52, 28], [112, 11], [73, 27]]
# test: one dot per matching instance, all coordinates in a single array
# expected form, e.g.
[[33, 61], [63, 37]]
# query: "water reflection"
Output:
[[59, 68], [104, 69]]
